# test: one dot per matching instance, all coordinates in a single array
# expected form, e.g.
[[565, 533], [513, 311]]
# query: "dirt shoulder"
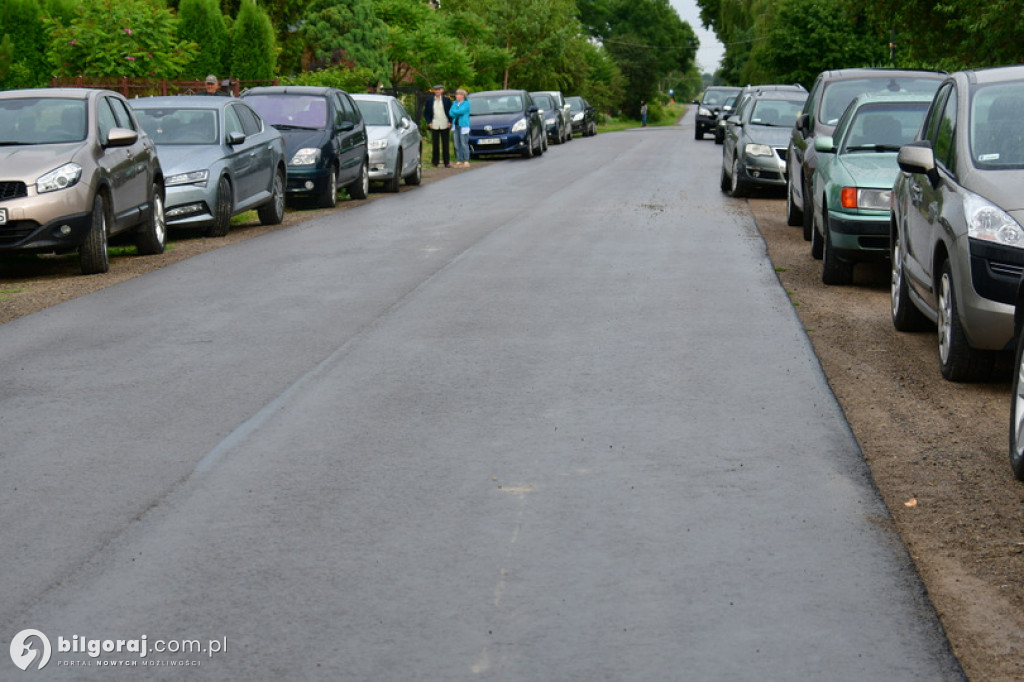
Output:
[[937, 450]]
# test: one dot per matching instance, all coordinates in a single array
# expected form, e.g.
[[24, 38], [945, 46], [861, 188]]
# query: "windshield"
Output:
[[882, 127], [997, 126], [179, 126], [716, 97], [291, 111], [838, 95], [575, 104], [42, 120], [779, 113], [497, 104], [375, 113], [543, 102]]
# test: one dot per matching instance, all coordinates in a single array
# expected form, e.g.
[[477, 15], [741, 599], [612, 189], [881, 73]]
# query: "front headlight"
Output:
[[198, 177], [758, 150], [874, 199], [550, 121], [703, 111], [519, 126], [376, 145], [305, 157], [577, 117], [66, 176], [988, 222]]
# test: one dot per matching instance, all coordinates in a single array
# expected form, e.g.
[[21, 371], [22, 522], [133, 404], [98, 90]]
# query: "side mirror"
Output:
[[801, 123], [235, 137], [825, 144], [405, 123], [919, 158], [533, 109], [121, 137]]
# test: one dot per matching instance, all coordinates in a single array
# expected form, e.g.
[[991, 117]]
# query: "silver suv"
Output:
[[75, 170]]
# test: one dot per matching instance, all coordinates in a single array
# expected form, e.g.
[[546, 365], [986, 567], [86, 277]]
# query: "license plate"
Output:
[[3, 216], [489, 140]]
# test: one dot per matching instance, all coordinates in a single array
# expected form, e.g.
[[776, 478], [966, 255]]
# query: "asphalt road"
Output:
[[549, 420]]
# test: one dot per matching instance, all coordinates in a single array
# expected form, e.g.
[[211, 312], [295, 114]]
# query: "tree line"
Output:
[[791, 41], [613, 52]]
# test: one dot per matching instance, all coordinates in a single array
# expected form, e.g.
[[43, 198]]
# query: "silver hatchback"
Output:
[[75, 170], [957, 244]]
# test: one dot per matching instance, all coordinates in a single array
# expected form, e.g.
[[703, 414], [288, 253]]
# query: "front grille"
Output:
[[480, 132], [1007, 269], [12, 190], [15, 231]]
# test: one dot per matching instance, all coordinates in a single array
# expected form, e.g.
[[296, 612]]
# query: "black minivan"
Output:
[[324, 136]]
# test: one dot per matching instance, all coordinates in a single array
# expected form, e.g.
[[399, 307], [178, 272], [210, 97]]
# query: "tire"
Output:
[[92, 254], [151, 237], [329, 197], [222, 211], [416, 177], [833, 270], [794, 216], [272, 212], [737, 186], [807, 215], [1017, 415], [905, 315], [698, 134], [593, 129], [528, 152], [392, 183], [957, 360], [360, 189], [725, 182], [817, 244]]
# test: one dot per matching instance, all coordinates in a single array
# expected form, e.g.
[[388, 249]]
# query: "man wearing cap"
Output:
[[435, 113], [213, 87]]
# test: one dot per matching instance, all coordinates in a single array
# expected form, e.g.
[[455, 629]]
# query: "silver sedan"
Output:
[[219, 159], [396, 146]]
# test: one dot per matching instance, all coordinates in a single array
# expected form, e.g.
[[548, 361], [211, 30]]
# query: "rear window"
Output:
[[291, 111], [43, 120], [179, 126]]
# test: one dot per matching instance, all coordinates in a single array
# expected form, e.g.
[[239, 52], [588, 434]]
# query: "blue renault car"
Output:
[[325, 137], [505, 122]]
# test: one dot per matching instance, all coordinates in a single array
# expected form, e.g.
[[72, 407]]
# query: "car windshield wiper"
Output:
[[874, 148], [288, 126], [14, 143]]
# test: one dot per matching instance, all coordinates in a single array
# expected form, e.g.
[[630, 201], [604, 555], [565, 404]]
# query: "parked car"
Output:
[[395, 142], [76, 169], [219, 159], [957, 245], [852, 185], [709, 104], [754, 151], [584, 116], [1017, 392], [324, 136], [556, 115], [830, 94], [505, 122], [723, 115]]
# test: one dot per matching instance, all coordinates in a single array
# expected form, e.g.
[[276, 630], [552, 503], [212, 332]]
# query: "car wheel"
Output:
[[817, 243], [392, 183], [329, 197], [272, 212], [698, 134], [528, 152], [416, 177], [833, 270], [593, 128], [151, 238], [222, 212], [958, 361], [794, 216], [92, 254], [725, 182], [360, 189], [807, 215], [905, 315], [1017, 416], [737, 186]]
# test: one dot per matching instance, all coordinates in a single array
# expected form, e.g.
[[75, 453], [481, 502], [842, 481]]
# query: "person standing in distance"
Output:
[[436, 114], [459, 113], [643, 113], [213, 87]]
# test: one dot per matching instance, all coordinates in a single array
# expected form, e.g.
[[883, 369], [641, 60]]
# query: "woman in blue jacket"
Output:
[[459, 114]]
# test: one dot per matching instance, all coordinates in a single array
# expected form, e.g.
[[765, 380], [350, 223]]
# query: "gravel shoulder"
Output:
[[937, 450]]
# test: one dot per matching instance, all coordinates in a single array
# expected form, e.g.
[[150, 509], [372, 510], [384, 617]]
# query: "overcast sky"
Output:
[[710, 52]]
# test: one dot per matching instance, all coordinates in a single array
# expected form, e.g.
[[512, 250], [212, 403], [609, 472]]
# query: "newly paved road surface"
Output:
[[548, 420]]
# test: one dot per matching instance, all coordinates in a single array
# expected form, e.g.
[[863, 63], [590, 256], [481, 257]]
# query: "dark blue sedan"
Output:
[[505, 122]]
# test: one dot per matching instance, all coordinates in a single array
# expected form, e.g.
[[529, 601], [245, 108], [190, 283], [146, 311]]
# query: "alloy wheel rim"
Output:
[[945, 317], [897, 278]]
